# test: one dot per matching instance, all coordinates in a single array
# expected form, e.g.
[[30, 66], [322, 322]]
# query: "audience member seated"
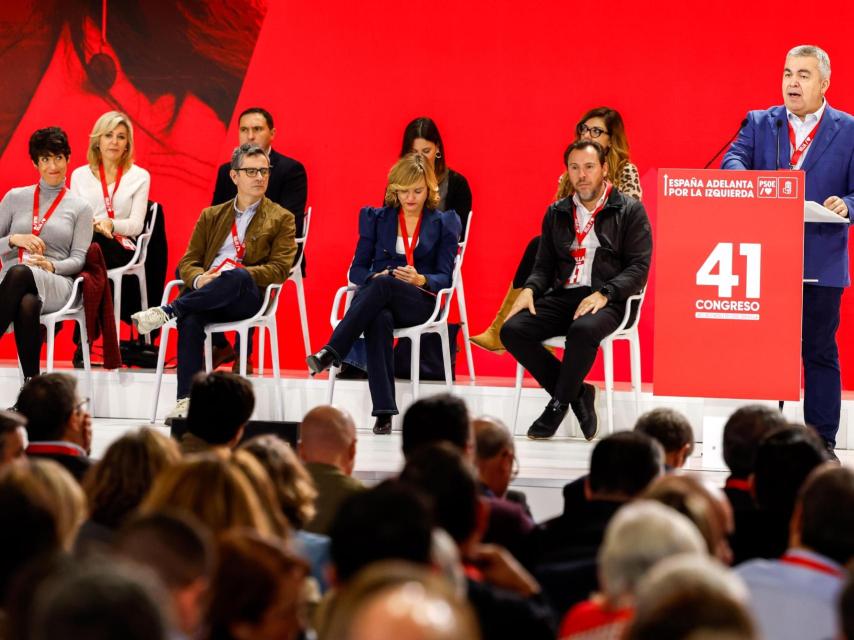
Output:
[[846, 611], [256, 590], [67, 498], [101, 599], [13, 437], [672, 431], [796, 596], [497, 465], [236, 250], [393, 600], [179, 550], [40, 260], [58, 422], [295, 493], [264, 490], [405, 254], [696, 501], [117, 484], [328, 448], [507, 599], [784, 459], [639, 535], [743, 431], [224, 404], [190, 484]]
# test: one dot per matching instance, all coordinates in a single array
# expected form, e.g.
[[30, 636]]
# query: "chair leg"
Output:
[[464, 323], [446, 355], [87, 358], [415, 365], [277, 372], [608, 361], [158, 375], [635, 363], [208, 352], [261, 343], [517, 399], [244, 344], [51, 334], [303, 313], [117, 306], [143, 297], [330, 385]]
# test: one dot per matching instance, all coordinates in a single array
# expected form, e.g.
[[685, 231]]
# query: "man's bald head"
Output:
[[328, 436]]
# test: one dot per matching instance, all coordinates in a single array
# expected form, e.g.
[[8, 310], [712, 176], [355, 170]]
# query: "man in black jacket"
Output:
[[594, 253]]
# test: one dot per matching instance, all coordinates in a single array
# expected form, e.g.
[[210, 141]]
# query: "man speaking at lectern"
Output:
[[806, 133]]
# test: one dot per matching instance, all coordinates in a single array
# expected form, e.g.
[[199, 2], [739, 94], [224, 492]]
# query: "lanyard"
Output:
[[812, 565], [738, 483], [797, 153], [409, 245], [581, 234], [239, 247], [38, 225], [108, 199]]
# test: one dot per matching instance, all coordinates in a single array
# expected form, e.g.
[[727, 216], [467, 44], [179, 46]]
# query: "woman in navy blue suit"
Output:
[[398, 276]]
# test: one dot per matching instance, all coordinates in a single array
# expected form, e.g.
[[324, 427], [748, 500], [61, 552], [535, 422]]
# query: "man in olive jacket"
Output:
[[237, 249], [594, 253]]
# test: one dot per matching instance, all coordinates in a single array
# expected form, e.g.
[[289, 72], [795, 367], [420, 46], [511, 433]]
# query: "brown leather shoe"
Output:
[[222, 355]]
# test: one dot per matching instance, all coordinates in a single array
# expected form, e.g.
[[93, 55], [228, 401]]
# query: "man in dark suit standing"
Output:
[[806, 133]]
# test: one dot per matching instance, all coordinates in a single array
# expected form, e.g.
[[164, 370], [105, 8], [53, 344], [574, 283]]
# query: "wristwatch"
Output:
[[607, 291]]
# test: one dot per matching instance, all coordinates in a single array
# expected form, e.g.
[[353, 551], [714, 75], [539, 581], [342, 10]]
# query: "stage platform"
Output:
[[122, 401]]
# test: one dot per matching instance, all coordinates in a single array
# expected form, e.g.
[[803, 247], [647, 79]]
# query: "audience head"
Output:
[[256, 591], [808, 68], [441, 474], [250, 172], [111, 138], [412, 178], [689, 594], [640, 535], [422, 136], [255, 126], [387, 522], [622, 466], [391, 600], [495, 454], [672, 431], [100, 600], [68, 502], [587, 169], [824, 518], [54, 410], [190, 484], [846, 608], [117, 484], [438, 418], [264, 490], [179, 550], [328, 436], [49, 150], [13, 436], [784, 459], [293, 485], [220, 406], [743, 431]]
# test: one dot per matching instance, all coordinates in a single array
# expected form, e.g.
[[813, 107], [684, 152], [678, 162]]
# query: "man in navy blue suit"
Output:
[[806, 133]]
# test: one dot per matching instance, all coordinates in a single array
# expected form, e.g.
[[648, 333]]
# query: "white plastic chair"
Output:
[[436, 323], [136, 267], [628, 330], [264, 319], [461, 303], [297, 278]]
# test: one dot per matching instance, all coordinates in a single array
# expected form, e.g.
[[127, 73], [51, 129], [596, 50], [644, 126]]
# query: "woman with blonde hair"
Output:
[[405, 254]]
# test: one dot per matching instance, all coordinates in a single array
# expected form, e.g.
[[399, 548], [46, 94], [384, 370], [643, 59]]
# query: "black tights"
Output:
[[20, 304]]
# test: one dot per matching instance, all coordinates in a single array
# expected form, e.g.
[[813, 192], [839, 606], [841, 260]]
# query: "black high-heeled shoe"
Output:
[[382, 426], [320, 361]]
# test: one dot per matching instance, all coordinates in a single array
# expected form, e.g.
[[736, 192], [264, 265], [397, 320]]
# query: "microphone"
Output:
[[779, 125], [728, 142]]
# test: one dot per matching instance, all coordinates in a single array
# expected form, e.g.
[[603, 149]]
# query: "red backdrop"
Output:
[[504, 80]]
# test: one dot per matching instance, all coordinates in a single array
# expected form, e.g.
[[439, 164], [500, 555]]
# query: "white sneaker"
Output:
[[149, 320], [179, 411]]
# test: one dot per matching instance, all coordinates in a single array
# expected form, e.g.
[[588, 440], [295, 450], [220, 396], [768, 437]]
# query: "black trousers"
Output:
[[822, 377], [524, 333], [381, 305]]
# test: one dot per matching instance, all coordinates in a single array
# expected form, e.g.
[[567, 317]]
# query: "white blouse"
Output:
[[129, 203]]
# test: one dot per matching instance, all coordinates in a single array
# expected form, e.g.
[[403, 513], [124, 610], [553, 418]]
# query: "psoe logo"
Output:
[[788, 187], [767, 187]]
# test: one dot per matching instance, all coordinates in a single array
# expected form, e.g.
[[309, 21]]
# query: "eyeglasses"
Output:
[[83, 406], [594, 132], [252, 172]]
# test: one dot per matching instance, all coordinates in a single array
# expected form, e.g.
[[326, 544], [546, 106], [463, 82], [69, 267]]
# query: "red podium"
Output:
[[729, 277]]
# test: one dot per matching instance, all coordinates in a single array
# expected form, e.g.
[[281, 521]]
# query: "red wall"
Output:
[[505, 81]]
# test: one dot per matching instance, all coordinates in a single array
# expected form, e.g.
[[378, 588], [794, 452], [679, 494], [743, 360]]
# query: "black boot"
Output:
[[322, 360], [549, 421], [382, 426], [77, 358], [14, 407], [584, 409]]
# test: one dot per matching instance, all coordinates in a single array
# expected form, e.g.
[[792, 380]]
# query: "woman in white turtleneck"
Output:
[[44, 234]]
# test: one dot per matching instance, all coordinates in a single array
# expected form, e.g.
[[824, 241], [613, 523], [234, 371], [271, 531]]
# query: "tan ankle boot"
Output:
[[490, 339]]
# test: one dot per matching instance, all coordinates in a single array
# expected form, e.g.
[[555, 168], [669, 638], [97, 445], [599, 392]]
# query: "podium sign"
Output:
[[729, 277]]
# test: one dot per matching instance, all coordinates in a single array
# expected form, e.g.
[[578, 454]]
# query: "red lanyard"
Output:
[[812, 565], [108, 199], [38, 225], [409, 245], [239, 247], [581, 234], [738, 483], [797, 153]]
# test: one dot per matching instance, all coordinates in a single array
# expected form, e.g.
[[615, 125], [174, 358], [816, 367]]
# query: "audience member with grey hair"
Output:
[[495, 457]]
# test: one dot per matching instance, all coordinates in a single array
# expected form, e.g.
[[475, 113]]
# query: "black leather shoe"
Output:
[[584, 409], [549, 420], [77, 358], [382, 426], [321, 361]]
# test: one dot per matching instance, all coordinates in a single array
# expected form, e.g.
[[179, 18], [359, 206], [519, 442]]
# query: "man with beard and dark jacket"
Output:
[[595, 252]]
